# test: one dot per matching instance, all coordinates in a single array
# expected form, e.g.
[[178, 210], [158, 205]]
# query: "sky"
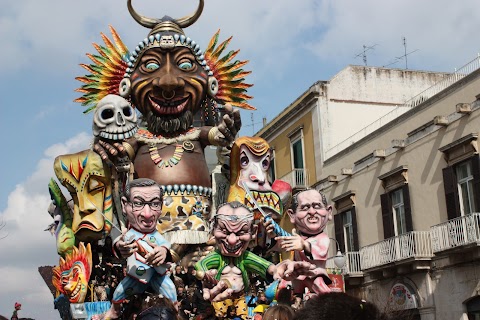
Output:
[[290, 45]]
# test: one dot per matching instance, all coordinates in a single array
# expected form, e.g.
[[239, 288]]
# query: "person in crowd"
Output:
[[178, 272], [338, 306], [262, 299], [279, 312], [185, 303], [148, 306], [199, 304], [285, 296]]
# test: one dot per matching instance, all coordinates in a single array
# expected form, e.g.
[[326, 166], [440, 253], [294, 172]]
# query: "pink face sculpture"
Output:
[[143, 205], [311, 214], [233, 228], [254, 169]]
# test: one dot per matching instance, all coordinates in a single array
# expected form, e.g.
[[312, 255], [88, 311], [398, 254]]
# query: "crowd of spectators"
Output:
[[108, 271]]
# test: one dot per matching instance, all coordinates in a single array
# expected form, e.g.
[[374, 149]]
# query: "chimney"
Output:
[[264, 121]]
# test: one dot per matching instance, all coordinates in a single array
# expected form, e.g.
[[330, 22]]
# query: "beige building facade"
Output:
[[406, 194]]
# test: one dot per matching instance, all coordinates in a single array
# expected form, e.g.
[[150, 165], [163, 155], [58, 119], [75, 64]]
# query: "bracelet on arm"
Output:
[[129, 149]]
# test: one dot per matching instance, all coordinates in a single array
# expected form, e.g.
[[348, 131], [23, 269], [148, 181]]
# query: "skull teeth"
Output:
[[118, 136]]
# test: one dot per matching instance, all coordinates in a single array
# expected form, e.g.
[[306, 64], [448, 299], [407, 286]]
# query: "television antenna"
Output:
[[363, 54], [405, 55]]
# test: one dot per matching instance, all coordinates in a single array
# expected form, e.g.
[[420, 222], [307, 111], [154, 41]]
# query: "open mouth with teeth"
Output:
[[76, 292], [232, 250], [313, 219], [268, 200], [148, 223], [168, 107], [127, 131]]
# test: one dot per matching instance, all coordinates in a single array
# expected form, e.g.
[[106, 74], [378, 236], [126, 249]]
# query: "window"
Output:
[[346, 222], [465, 187], [395, 202], [345, 230], [396, 212], [297, 152], [462, 186], [298, 161], [473, 308], [461, 177], [348, 231], [399, 212]]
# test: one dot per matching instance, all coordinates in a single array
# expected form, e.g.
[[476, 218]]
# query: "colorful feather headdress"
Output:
[[114, 62]]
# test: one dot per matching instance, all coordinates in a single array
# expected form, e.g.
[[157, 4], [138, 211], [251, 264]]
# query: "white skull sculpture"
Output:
[[114, 119]]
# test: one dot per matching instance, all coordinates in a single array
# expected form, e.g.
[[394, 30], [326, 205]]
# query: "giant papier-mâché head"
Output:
[[167, 77]]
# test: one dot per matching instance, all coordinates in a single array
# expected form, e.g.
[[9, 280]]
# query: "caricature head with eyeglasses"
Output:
[[142, 204]]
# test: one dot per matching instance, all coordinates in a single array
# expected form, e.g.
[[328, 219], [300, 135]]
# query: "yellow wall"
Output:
[[281, 144]]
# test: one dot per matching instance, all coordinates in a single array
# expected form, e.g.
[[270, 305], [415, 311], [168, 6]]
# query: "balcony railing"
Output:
[[352, 264], [298, 178], [414, 244], [456, 232]]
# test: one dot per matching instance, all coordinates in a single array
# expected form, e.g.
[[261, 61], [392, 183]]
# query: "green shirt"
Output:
[[247, 262]]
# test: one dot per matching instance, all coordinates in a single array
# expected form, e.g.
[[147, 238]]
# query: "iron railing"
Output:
[[298, 178], [456, 232], [414, 244], [352, 264]]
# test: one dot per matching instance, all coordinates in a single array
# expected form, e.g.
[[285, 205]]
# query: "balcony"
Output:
[[298, 178], [352, 266], [414, 245], [456, 233]]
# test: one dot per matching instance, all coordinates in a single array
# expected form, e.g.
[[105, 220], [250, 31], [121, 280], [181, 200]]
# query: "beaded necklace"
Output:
[[182, 143], [175, 159]]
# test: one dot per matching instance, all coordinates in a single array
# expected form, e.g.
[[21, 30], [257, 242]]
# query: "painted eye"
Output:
[[265, 164], [185, 64], [94, 184], [152, 66], [244, 161]]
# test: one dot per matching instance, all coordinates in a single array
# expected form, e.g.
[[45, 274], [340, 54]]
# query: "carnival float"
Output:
[[142, 197]]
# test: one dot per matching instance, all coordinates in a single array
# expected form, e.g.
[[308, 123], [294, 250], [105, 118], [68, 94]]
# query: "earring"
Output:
[[124, 87], [212, 86]]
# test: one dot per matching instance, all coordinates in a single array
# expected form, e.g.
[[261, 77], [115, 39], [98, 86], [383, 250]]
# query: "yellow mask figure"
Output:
[[88, 181], [249, 163], [72, 276]]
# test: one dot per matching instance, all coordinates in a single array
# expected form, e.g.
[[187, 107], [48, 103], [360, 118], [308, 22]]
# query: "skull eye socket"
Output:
[[127, 111], [106, 114]]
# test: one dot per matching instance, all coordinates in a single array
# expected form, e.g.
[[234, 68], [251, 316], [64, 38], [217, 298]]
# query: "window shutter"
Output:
[[387, 216], [407, 207], [451, 193], [476, 181], [356, 247], [337, 221]]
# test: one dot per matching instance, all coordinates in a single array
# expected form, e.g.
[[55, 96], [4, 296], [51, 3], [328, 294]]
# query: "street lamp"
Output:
[[339, 258]]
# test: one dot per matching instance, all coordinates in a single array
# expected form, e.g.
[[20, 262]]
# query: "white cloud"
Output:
[[27, 246]]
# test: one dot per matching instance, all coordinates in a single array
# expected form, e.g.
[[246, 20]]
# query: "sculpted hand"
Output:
[[269, 227], [126, 249], [290, 270], [219, 292], [213, 290], [225, 132], [109, 150], [157, 256], [293, 242]]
